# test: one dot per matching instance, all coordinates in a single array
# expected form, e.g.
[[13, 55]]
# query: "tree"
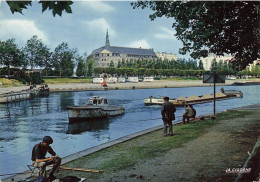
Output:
[[201, 67], [11, 55], [111, 65], [214, 66], [64, 57], [57, 7], [81, 67], [35, 52], [228, 27]]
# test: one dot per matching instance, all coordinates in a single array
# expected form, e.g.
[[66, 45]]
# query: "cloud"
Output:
[[21, 30], [165, 34], [98, 6], [99, 27], [140, 43]]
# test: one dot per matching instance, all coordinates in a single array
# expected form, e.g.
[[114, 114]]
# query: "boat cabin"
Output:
[[97, 101]]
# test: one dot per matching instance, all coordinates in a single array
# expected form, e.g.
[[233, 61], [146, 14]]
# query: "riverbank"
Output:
[[200, 151], [117, 86]]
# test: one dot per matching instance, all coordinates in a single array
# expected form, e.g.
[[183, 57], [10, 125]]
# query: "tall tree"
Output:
[[64, 58], [35, 52], [227, 27], [81, 66], [201, 67], [11, 55]]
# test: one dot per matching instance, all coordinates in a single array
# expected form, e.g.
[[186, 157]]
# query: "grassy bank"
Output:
[[149, 146], [10, 82], [66, 80]]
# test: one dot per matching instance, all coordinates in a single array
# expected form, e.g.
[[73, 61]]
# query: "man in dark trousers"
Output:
[[168, 110], [39, 160]]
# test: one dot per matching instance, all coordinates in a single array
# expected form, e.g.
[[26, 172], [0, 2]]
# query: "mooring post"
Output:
[[214, 81]]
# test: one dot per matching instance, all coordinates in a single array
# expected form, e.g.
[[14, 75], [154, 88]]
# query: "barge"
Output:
[[181, 101]]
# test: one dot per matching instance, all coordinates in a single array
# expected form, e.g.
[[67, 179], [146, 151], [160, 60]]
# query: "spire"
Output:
[[107, 40]]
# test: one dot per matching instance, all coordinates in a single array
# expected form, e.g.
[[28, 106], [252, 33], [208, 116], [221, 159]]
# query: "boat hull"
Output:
[[227, 95], [83, 113]]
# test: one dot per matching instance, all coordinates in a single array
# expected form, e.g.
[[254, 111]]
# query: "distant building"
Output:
[[207, 61], [166, 56], [256, 62], [104, 55]]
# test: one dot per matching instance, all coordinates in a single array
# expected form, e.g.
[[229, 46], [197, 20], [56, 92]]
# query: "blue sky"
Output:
[[85, 29]]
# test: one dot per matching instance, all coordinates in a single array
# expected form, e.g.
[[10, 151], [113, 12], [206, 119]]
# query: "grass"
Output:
[[66, 80], [9, 82], [149, 146]]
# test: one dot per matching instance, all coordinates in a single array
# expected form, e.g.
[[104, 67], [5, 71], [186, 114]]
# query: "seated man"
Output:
[[194, 112], [39, 160], [187, 114]]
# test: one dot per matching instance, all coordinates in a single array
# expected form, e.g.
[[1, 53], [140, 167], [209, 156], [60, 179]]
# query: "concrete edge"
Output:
[[251, 162]]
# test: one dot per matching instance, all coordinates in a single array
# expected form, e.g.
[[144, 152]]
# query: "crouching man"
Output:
[[40, 161]]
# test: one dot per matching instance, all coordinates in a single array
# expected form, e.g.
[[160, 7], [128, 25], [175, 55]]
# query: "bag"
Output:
[[71, 179]]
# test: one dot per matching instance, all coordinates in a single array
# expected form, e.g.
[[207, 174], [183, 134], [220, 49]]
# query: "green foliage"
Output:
[[227, 27], [143, 67], [11, 55], [36, 52], [221, 67], [36, 78], [57, 7], [81, 68], [64, 58], [111, 65], [18, 6]]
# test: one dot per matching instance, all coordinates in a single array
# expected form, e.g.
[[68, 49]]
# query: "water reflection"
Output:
[[89, 125]]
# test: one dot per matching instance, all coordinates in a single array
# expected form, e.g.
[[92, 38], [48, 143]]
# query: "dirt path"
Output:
[[206, 158]]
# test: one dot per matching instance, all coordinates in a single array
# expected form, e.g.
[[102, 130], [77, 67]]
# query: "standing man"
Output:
[[168, 110], [39, 160]]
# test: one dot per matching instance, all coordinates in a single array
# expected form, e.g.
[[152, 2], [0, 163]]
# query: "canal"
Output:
[[24, 124]]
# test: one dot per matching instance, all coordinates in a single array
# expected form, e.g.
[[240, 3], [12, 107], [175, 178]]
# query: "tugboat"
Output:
[[96, 107]]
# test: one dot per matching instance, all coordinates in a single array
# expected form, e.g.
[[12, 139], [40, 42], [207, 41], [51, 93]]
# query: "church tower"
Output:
[[107, 40]]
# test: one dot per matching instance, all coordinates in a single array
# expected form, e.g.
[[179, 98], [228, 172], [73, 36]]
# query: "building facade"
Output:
[[207, 61], [104, 55], [166, 56]]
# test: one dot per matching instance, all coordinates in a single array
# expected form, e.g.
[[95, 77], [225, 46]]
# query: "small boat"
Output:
[[44, 91], [96, 107], [181, 101]]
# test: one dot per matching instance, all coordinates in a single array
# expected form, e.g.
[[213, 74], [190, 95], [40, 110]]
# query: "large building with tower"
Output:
[[104, 55]]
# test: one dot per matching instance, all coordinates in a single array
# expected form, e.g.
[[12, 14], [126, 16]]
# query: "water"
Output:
[[24, 124]]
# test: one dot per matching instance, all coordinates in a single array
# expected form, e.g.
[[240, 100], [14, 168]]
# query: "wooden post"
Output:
[[214, 81]]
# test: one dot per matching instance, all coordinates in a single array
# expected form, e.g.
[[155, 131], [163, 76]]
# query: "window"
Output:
[[107, 54], [108, 64]]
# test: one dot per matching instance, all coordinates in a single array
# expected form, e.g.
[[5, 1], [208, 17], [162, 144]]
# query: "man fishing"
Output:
[[40, 161]]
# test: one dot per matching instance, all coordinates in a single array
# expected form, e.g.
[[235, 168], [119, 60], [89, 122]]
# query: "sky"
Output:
[[85, 29]]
